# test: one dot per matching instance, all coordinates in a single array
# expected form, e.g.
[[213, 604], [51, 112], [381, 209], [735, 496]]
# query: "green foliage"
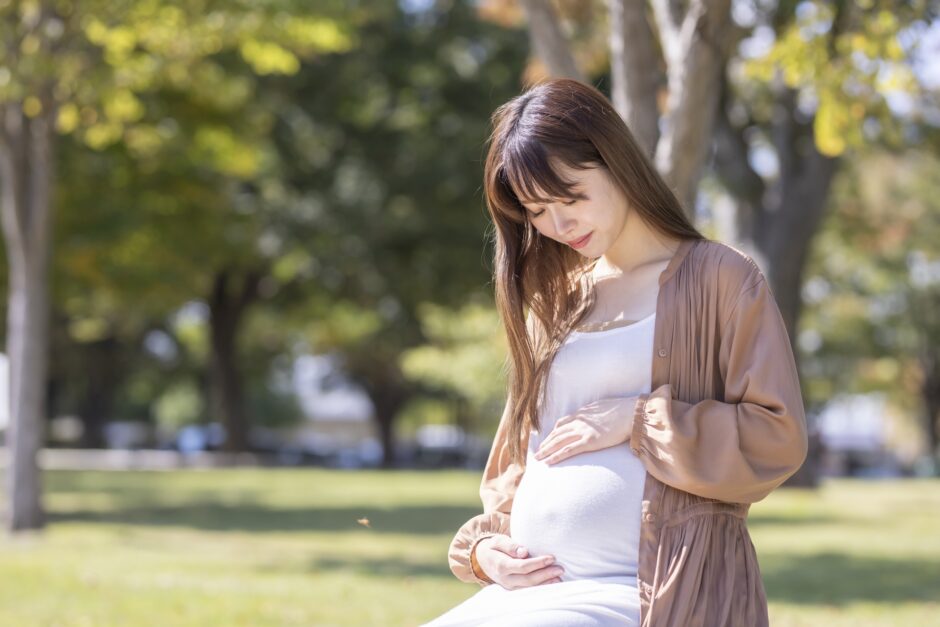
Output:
[[867, 314], [270, 406], [176, 128], [464, 354], [847, 58], [181, 404], [351, 183], [422, 411], [100, 57]]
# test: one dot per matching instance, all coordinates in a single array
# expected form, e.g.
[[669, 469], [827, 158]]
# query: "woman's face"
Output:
[[589, 225]]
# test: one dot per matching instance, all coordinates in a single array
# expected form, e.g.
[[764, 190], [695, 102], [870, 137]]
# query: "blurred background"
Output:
[[252, 366]]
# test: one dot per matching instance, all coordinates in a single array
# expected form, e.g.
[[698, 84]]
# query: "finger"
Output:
[[537, 577], [558, 444], [555, 446], [530, 565], [564, 453], [507, 545], [565, 420], [553, 442]]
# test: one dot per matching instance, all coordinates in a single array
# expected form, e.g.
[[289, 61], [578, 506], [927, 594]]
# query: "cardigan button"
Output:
[[662, 352]]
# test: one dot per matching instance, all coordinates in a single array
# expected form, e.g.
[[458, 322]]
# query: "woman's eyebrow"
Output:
[[576, 192]]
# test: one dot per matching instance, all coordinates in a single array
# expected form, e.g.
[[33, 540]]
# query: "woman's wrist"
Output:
[[475, 565]]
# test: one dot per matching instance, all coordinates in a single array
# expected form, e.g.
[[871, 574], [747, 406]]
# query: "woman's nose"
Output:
[[563, 224]]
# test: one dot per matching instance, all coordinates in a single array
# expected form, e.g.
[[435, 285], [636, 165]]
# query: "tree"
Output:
[[691, 70], [81, 68], [382, 143], [873, 289]]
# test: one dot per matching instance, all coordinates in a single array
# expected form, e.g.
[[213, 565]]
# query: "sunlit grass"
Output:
[[285, 547]]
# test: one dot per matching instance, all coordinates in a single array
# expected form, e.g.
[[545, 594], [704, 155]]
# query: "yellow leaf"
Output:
[[269, 58], [828, 130], [100, 136], [67, 120], [96, 31], [30, 44], [318, 33], [32, 106], [143, 140], [123, 106]]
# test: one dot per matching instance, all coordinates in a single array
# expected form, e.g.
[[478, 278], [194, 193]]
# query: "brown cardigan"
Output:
[[722, 427]]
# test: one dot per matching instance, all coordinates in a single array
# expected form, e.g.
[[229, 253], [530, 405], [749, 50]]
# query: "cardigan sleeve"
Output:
[[742, 447], [501, 477], [497, 489]]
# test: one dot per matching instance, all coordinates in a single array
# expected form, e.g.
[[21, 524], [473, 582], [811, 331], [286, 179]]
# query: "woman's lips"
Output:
[[580, 243]]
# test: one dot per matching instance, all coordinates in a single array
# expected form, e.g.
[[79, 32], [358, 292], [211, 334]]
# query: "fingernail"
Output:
[[520, 551]]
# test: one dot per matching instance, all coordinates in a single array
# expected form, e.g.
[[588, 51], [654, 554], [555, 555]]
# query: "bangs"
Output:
[[528, 172]]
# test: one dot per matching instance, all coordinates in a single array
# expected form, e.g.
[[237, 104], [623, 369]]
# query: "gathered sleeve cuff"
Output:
[[474, 530], [742, 447], [498, 486]]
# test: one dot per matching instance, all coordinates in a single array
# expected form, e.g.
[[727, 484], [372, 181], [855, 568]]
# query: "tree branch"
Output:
[[549, 41], [694, 67], [636, 76], [733, 168]]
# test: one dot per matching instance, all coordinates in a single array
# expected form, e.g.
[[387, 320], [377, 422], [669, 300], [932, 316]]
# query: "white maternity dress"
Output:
[[584, 510]]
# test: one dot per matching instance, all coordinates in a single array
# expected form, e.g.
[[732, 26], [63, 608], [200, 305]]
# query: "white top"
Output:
[[585, 510]]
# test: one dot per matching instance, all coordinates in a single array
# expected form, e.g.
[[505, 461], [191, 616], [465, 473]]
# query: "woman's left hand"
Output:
[[599, 424]]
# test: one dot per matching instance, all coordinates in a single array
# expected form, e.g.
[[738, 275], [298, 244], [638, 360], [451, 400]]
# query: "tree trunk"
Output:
[[696, 53], [388, 396], [931, 392], [386, 425], [227, 305], [925, 305], [634, 70], [775, 225], [26, 175], [548, 40], [103, 377]]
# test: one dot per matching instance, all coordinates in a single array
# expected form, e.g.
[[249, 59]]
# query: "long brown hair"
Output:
[[545, 288]]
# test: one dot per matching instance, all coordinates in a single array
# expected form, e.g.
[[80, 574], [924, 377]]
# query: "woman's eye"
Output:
[[566, 203]]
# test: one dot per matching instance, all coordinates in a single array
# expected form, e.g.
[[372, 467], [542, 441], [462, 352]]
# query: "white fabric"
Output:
[[584, 510]]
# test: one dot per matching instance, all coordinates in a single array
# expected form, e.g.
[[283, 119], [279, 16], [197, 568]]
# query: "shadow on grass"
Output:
[[839, 579], [374, 567], [209, 516]]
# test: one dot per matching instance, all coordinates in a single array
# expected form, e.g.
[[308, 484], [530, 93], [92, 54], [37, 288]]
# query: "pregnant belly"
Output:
[[584, 510]]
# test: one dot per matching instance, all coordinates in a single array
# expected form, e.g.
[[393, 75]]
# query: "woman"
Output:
[[653, 393]]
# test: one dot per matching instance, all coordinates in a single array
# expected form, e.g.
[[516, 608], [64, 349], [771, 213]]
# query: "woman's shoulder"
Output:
[[727, 268]]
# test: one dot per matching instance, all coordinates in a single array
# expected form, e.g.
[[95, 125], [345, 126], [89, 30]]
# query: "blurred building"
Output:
[[339, 424], [855, 435]]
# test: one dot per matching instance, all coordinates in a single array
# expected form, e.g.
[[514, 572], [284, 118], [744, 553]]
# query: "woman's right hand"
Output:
[[497, 556]]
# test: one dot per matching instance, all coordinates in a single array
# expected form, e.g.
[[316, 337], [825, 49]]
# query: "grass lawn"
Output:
[[283, 547]]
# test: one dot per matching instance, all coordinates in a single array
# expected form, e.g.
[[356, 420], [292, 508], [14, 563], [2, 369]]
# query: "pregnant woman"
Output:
[[653, 393]]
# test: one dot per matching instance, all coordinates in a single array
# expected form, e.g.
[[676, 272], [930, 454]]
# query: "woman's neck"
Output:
[[637, 246]]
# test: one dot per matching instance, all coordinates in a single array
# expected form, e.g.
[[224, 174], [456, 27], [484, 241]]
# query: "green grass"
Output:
[[283, 547]]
